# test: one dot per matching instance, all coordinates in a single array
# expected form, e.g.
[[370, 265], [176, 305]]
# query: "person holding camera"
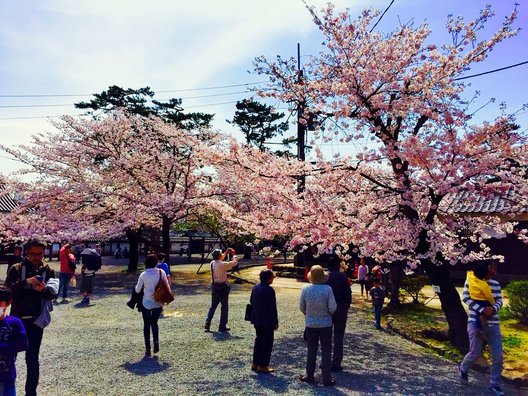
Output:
[[28, 280], [220, 288]]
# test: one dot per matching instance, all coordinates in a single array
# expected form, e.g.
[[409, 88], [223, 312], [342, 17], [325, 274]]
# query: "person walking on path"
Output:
[[91, 263], [13, 339], [338, 281], [28, 280], [492, 331], [363, 271], [147, 281], [220, 289], [318, 305], [265, 318], [67, 270]]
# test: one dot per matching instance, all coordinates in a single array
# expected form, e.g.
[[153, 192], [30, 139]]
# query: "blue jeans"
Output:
[[476, 344], [64, 280], [377, 314], [7, 389]]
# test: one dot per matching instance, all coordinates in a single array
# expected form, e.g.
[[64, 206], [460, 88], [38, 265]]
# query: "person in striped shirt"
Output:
[[492, 331]]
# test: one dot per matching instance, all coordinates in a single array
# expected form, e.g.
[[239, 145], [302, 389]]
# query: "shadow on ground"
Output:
[[146, 366]]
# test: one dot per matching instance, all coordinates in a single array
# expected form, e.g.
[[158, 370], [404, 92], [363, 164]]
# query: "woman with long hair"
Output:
[[148, 280]]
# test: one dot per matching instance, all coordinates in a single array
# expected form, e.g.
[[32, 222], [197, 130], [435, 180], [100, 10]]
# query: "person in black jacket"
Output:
[[28, 280], [338, 281], [265, 319]]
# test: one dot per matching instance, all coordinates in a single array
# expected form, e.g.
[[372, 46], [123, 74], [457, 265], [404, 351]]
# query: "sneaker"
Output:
[[64, 301], [463, 375], [496, 390], [156, 347], [207, 328], [331, 383], [223, 329]]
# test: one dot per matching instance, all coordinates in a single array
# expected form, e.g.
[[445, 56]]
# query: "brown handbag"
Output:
[[162, 293]]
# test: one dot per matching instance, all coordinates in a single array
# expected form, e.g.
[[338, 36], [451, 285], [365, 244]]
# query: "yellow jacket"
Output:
[[479, 289]]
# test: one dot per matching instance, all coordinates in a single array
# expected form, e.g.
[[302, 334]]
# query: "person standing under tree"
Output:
[[220, 288], [67, 270], [338, 281], [318, 304], [363, 271], [28, 280], [377, 295], [491, 331], [265, 318]]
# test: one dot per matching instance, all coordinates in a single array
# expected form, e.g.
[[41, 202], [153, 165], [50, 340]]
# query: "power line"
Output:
[[492, 71], [382, 15], [72, 104], [73, 115], [160, 91]]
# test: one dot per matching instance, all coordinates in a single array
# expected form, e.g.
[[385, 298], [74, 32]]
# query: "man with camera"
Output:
[[28, 280]]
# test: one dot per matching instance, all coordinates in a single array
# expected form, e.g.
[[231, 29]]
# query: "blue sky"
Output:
[[82, 47]]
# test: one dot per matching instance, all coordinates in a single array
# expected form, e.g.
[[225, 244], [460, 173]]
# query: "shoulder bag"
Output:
[[162, 293]]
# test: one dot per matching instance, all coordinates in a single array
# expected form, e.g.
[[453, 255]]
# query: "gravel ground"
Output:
[[98, 350]]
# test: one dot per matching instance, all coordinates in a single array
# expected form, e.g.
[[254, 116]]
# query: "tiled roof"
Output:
[[7, 202], [471, 202]]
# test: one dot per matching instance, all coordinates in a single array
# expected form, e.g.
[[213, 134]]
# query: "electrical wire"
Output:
[[492, 71], [160, 91]]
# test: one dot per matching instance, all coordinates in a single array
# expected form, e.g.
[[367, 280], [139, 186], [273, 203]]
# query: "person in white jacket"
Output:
[[147, 282]]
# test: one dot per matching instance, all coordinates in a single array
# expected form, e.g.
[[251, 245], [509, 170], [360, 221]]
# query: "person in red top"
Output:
[[67, 270]]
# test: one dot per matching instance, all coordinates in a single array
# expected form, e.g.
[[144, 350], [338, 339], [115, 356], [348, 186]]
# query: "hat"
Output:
[[217, 253], [317, 275]]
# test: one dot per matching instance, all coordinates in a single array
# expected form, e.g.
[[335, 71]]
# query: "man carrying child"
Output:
[[489, 328]]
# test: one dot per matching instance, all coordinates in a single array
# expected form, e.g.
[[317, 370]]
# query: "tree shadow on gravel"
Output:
[[146, 366]]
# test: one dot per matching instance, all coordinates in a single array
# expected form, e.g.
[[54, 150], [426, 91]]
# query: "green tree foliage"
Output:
[[412, 286], [141, 102], [517, 308], [258, 122]]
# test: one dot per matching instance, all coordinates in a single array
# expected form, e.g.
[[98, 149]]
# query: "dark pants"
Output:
[[339, 335], [219, 295], [263, 346], [150, 320], [377, 314], [313, 336], [34, 335], [64, 280]]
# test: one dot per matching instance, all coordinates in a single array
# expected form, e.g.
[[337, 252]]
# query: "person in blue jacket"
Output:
[[265, 318], [13, 339]]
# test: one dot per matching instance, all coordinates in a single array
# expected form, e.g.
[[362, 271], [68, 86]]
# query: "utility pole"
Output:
[[301, 126]]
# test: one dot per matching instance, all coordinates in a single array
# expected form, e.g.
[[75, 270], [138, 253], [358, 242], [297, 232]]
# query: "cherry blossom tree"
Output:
[[399, 92], [107, 176]]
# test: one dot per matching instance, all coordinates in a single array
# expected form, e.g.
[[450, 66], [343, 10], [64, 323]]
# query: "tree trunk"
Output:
[[165, 238], [396, 275], [451, 304], [133, 254]]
